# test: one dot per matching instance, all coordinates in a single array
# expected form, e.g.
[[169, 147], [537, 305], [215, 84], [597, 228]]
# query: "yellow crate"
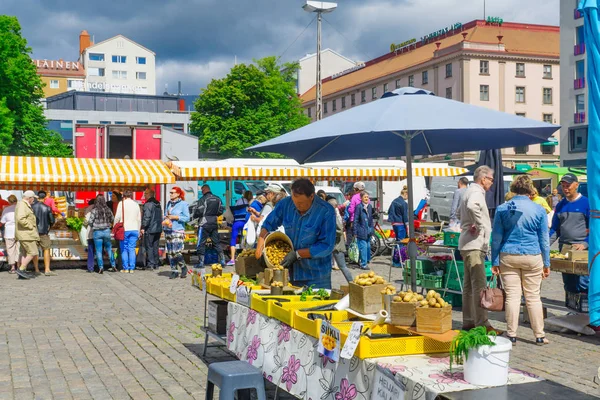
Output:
[[262, 303], [284, 312], [227, 295], [215, 285], [228, 275], [394, 346], [313, 327]]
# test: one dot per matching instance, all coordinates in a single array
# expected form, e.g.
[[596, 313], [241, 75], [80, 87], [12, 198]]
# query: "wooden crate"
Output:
[[267, 276], [248, 266], [569, 267], [403, 314], [434, 320], [365, 299]]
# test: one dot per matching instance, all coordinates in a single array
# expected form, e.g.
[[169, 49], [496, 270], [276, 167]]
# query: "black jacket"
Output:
[[43, 216], [208, 210], [152, 216]]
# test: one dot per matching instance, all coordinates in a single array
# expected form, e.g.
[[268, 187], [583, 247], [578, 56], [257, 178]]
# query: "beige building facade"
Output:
[[510, 67]]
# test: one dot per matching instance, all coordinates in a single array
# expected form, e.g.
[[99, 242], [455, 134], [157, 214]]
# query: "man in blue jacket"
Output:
[[398, 215], [570, 225]]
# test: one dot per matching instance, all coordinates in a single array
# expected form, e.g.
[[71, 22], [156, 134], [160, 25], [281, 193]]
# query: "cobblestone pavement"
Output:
[[120, 336]]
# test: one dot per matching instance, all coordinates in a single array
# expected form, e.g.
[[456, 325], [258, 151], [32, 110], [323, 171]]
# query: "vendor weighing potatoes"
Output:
[[310, 223]]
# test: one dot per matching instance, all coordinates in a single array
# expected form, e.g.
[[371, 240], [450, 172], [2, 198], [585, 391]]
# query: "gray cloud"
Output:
[[197, 40]]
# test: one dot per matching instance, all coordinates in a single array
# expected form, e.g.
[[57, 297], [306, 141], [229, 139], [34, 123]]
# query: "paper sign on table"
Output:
[[352, 340], [329, 341], [234, 283], [385, 386], [243, 296]]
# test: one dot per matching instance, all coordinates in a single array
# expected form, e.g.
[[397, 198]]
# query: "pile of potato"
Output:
[[247, 253], [432, 300], [368, 279], [278, 267], [217, 267], [389, 289], [277, 284], [276, 251]]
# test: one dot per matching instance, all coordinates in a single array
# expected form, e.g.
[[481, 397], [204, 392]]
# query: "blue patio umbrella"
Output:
[[592, 42], [404, 122]]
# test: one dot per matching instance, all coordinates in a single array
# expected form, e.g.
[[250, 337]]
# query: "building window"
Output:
[[334, 105], [411, 80], [579, 69], [521, 114], [579, 103], [521, 70], [398, 83], [344, 102], [520, 94], [425, 77], [95, 71], [449, 70], [309, 112], [547, 149], [54, 84], [120, 122], [547, 118], [449, 93], [547, 95], [578, 138], [579, 35], [521, 149], [484, 67], [140, 75], [325, 107], [119, 59], [374, 93], [104, 122], [119, 74], [352, 99], [385, 87], [140, 60], [363, 96], [547, 71], [96, 57], [484, 92], [142, 123]]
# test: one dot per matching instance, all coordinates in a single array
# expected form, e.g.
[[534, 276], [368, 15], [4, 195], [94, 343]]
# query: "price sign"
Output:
[[385, 386], [329, 341], [243, 296], [234, 283], [352, 340]]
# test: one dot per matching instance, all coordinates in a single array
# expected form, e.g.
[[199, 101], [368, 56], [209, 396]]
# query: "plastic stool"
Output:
[[231, 376]]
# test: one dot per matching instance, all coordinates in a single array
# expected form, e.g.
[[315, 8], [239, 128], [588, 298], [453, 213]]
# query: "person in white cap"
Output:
[[271, 193], [26, 232]]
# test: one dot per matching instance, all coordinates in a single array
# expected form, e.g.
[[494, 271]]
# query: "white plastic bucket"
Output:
[[488, 365]]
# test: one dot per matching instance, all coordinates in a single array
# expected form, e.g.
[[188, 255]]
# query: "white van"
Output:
[[442, 195], [332, 191]]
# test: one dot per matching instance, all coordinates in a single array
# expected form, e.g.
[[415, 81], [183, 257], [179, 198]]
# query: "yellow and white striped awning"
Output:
[[49, 173], [202, 170]]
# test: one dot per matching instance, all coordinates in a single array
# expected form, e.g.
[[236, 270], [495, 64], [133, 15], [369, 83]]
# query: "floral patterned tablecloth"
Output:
[[289, 358]]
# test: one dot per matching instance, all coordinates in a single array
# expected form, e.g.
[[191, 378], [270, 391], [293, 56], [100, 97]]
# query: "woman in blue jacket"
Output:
[[363, 229], [177, 214]]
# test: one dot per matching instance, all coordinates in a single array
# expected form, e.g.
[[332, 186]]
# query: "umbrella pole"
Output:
[[412, 245]]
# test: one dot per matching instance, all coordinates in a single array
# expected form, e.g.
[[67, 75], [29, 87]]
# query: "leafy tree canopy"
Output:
[[22, 122], [253, 103]]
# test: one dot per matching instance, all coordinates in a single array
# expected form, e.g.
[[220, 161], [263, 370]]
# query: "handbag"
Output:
[[493, 299], [118, 229]]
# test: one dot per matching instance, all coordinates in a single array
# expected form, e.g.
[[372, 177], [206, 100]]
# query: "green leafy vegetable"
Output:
[[306, 292], [244, 278], [322, 294], [74, 223], [465, 341]]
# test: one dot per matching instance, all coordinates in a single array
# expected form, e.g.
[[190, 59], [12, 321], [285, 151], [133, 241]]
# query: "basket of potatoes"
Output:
[[403, 308], [217, 270], [434, 315], [365, 293], [277, 246], [276, 288]]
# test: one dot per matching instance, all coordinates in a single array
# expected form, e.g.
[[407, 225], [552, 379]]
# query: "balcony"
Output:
[[579, 83], [580, 118], [577, 14], [579, 49]]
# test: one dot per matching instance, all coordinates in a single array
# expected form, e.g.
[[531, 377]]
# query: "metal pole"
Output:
[[412, 245], [484, 10], [319, 109]]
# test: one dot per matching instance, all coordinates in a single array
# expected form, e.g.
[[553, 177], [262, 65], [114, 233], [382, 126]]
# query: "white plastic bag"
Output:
[[250, 229], [83, 236]]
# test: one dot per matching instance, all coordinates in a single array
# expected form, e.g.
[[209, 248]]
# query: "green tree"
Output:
[[253, 103], [21, 111]]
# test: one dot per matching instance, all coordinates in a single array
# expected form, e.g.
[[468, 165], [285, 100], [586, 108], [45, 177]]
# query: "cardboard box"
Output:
[[248, 266], [365, 299], [217, 316], [569, 267], [434, 320], [403, 314], [577, 255]]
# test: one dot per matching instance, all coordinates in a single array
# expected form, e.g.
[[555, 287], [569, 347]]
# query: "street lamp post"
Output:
[[319, 7]]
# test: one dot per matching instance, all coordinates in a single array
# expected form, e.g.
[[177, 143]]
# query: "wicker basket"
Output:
[[274, 236]]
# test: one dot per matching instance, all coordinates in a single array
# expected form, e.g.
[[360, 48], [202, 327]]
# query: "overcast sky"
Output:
[[198, 40]]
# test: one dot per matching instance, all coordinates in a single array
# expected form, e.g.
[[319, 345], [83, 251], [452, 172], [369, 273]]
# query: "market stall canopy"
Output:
[[227, 169], [35, 173]]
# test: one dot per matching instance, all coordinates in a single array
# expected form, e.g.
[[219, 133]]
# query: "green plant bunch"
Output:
[[467, 340], [307, 292], [321, 294], [74, 223]]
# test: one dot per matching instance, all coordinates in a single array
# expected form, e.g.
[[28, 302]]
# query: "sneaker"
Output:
[[124, 271], [50, 273], [231, 263], [131, 271], [541, 341], [173, 275], [101, 271], [23, 275]]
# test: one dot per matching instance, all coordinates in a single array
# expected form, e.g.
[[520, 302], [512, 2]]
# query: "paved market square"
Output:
[[138, 336]]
